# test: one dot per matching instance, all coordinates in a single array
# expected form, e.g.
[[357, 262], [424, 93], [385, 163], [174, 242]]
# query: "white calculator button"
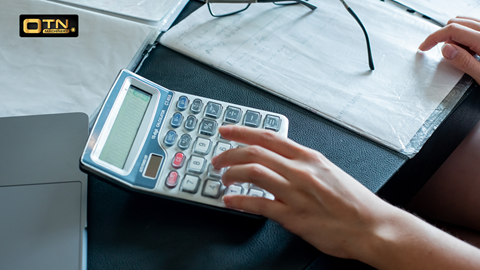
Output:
[[234, 190], [213, 110], [212, 189], [233, 114], [214, 173], [202, 146], [196, 165], [255, 192], [190, 183], [272, 122], [252, 119], [207, 127], [172, 179], [221, 147]]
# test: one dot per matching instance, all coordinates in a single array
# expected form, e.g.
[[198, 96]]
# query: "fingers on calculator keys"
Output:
[[172, 179], [252, 119], [221, 147], [182, 103], [234, 190], [170, 138], [190, 183], [212, 189], [196, 106], [215, 173], [176, 120], [255, 192]]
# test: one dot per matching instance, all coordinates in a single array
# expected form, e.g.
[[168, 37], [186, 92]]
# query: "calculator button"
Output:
[[196, 107], [170, 138], [196, 165], [212, 189], [202, 146], [190, 123], [207, 127], [234, 190], [221, 147], [272, 122], [190, 183], [214, 173], [178, 160], [172, 179], [184, 142], [255, 193], [233, 114], [176, 120], [252, 119], [213, 110], [182, 103]]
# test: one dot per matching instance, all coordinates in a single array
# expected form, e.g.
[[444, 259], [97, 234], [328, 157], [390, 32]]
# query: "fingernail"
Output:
[[214, 161], [449, 51], [226, 199], [225, 130]]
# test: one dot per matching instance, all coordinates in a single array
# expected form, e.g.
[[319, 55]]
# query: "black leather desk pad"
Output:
[[128, 230]]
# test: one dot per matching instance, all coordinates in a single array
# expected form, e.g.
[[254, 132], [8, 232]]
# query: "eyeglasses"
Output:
[[222, 8]]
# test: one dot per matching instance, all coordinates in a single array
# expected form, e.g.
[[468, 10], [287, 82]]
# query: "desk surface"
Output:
[[128, 230]]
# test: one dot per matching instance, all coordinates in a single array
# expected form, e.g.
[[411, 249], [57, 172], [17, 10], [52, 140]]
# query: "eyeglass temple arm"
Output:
[[370, 57], [303, 2]]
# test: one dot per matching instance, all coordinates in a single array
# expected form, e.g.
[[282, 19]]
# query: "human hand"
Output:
[[313, 198], [462, 42]]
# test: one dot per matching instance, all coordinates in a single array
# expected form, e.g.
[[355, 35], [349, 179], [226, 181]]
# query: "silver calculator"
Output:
[[158, 141]]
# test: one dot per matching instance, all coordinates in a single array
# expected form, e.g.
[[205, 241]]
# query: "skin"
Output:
[[332, 211]]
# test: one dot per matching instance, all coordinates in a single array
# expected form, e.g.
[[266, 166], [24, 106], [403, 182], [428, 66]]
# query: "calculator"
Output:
[[158, 141]]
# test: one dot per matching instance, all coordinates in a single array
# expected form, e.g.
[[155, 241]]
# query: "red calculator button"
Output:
[[178, 160], [172, 179]]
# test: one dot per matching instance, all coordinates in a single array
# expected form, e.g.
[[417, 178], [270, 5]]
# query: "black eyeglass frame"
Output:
[[294, 2]]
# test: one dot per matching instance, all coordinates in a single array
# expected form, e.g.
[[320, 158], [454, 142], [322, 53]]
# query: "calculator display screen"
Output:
[[125, 128]]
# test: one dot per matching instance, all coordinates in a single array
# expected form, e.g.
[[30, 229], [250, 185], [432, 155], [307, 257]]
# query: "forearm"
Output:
[[403, 241]]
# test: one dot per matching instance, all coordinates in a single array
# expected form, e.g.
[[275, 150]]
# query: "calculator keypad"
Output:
[[192, 140]]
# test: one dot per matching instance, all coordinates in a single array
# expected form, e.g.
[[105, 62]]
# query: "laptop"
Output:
[[43, 193]]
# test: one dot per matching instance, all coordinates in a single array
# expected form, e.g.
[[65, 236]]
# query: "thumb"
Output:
[[462, 60]]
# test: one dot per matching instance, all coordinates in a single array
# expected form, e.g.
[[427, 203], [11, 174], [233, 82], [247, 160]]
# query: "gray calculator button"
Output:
[[234, 190], [252, 119], [202, 146], [233, 114], [190, 123], [182, 103], [184, 141], [176, 120], [214, 173], [196, 165], [196, 106], [212, 189], [208, 127], [190, 183], [255, 192], [170, 138], [272, 122], [221, 147], [213, 110]]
